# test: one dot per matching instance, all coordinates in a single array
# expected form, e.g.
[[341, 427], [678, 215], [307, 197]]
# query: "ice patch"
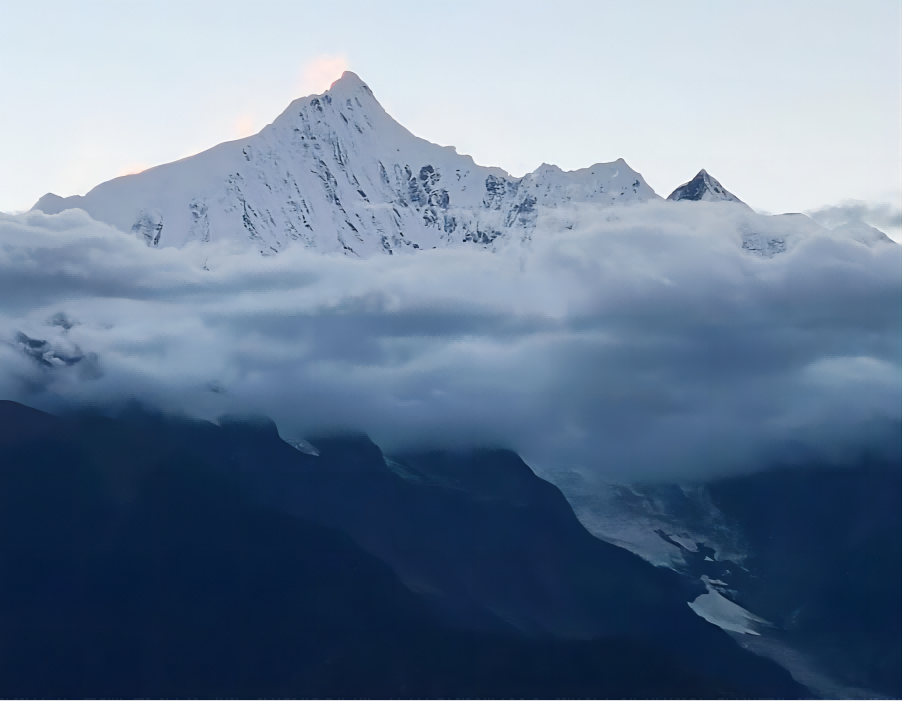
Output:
[[303, 446], [686, 542], [719, 610], [634, 516], [402, 471]]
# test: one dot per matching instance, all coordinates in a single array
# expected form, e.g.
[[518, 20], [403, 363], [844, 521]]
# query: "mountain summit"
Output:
[[703, 188], [336, 173]]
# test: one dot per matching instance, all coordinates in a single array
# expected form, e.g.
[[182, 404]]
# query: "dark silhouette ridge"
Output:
[[130, 567], [825, 563]]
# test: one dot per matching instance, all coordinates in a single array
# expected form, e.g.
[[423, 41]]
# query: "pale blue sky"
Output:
[[792, 105]]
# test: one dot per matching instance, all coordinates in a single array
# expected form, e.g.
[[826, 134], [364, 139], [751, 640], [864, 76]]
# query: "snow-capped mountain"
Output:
[[703, 188], [336, 173]]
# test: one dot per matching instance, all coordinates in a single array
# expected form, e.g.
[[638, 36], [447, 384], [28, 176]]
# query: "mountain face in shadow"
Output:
[[825, 565], [807, 555], [130, 566]]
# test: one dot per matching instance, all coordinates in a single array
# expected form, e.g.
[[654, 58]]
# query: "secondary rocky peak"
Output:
[[703, 188]]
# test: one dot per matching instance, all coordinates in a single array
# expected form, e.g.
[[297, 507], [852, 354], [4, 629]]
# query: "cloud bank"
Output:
[[882, 215], [637, 343]]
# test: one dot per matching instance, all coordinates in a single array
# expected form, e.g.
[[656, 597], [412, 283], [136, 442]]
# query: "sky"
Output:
[[793, 106]]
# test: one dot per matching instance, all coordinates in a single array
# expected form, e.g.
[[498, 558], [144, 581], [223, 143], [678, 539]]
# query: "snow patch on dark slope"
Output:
[[801, 564]]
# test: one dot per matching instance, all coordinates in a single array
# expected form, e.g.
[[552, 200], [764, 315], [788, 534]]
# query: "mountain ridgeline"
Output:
[[336, 173]]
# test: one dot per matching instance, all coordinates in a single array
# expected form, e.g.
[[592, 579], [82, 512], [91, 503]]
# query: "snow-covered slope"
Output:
[[703, 188], [336, 173]]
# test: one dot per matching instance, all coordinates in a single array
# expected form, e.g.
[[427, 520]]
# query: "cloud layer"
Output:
[[882, 215], [641, 343]]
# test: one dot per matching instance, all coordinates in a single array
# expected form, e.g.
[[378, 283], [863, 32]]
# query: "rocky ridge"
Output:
[[336, 173]]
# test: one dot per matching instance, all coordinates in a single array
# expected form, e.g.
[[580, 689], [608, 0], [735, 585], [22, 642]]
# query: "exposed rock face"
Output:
[[336, 173], [703, 188]]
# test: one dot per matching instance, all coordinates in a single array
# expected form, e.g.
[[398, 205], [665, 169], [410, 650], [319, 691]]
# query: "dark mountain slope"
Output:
[[129, 568], [491, 547], [825, 564]]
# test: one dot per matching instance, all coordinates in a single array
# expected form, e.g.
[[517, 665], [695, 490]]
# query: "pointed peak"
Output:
[[348, 79], [349, 84], [348, 87], [703, 187]]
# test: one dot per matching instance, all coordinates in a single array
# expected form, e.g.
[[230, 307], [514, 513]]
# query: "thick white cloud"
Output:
[[639, 342]]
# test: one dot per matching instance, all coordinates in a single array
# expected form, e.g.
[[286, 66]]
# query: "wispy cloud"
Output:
[[881, 215], [132, 169], [244, 126], [318, 74]]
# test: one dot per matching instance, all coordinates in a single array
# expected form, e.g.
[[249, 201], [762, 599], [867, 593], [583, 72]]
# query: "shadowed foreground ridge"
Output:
[[131, 567]]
